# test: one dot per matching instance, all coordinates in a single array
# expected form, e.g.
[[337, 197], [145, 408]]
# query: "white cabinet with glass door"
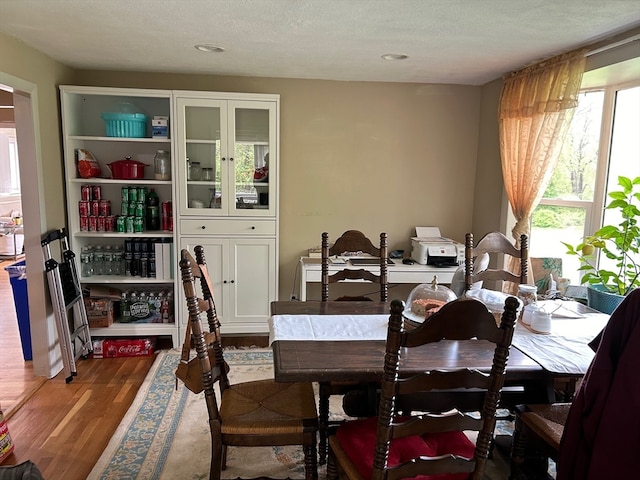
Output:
[[227, 169], [226, 159]]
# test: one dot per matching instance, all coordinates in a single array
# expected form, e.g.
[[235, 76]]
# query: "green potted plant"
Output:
[[620, 243]]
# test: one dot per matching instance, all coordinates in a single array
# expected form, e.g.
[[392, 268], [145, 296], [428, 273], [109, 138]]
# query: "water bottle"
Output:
[[107, 269], [85, 262], [98, 260]]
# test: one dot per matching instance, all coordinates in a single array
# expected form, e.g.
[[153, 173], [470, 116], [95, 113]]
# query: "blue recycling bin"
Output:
[[18, 279]]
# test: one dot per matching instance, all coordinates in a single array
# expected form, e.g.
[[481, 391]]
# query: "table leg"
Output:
[[323, 419]]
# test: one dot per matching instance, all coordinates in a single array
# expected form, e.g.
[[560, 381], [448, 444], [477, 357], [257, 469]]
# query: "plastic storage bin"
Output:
[[18, 279], [132, 125]]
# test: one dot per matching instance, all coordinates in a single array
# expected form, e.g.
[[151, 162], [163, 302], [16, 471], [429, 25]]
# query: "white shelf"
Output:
[[149, 234], [113, 279], [119, 139], [120, 182], [134, 329]]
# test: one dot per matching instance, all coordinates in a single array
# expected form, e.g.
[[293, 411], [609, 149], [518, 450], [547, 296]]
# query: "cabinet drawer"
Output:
[[227, 227]]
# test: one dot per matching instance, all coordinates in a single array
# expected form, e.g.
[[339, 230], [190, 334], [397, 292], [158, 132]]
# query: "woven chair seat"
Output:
[[268, 407]]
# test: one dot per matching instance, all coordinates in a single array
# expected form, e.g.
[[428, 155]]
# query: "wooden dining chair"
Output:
[[538, 429], [404, 444], [354, 243], [350, 243], [248, 414], [496, 243]]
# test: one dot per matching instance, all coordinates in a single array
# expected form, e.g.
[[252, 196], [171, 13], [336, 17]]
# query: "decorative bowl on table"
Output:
[[426, 299]]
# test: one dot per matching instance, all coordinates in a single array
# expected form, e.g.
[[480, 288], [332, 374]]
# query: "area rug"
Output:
[[165, 433]]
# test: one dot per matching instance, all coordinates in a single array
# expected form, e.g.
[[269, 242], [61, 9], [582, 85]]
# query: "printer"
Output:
[[428, 247]]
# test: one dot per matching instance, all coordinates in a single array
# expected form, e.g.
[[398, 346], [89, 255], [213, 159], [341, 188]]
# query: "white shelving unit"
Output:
[[83, 128]]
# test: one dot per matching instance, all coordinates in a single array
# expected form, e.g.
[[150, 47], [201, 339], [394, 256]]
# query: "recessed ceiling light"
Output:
[[205, 47], [395, 56]]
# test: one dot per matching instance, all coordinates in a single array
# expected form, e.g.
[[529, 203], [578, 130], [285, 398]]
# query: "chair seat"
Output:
[[547, 422], [266, 407], [357, 440]]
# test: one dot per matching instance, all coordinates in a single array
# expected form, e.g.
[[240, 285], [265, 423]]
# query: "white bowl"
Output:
[[541, 322]]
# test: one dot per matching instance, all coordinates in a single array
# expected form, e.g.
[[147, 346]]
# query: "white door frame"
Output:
[[46, 356]]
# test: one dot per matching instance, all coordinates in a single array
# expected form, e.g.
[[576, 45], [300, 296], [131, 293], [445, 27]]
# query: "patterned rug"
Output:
[[165, 433]]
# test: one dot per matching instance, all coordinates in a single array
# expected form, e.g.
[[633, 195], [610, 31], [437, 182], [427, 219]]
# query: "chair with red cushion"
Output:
[[422, 442]]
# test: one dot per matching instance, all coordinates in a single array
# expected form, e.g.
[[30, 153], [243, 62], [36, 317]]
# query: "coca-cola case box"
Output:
[[123, 347]]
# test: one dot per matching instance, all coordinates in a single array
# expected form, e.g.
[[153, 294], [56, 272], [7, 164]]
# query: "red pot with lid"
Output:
[[127, 169]]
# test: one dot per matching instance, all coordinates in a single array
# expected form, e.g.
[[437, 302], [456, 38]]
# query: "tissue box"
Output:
[[160, 127]]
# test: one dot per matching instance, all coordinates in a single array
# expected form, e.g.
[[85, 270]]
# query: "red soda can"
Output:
[[84, 223], [95, 208], [105, 208], [85, 192], [96, 192], [84, 208], [93, 223], [165, 223], [166, 209], [109, 223], [100, 224]]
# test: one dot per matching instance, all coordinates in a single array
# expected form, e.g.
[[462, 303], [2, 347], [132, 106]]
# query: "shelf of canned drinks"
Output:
[[147, 233], [121, 182]]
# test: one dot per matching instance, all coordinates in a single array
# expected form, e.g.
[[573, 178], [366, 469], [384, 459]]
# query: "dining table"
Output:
[[339, 341]]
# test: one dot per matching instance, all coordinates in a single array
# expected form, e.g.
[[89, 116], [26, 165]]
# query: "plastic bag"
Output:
[[88, 166]]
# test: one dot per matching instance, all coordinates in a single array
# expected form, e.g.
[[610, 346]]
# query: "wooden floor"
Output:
[[63, 428]]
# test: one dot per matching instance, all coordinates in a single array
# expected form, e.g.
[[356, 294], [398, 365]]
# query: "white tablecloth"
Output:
[[565, 350], [328, 327]]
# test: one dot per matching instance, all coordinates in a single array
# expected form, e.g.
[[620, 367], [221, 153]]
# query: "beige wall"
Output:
[[371, 156], [366, 155]]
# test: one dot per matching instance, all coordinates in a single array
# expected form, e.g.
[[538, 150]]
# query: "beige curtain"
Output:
[[536, 108]]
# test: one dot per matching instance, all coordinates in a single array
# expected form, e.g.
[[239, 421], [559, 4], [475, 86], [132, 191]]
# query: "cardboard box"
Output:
[[160, 127], [100, 312], [123, 347]]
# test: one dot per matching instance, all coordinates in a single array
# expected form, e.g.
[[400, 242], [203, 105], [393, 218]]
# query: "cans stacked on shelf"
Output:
[[95, 211], [132, 210]]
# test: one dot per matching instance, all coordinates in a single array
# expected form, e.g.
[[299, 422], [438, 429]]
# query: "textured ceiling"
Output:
[[447, 41]]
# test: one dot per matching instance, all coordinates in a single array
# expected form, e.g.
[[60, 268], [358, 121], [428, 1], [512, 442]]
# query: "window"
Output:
[[9, 164], [602, 144]]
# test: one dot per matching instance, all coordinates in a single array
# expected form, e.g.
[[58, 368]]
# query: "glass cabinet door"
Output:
[[202, 173], [252, 126]]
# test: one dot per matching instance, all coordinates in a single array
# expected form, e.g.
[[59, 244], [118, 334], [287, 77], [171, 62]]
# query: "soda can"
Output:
[[84, 223], [166, 220], [133, 194], [166, 209], [124, 194], [142, 194], [84, 208], [96, 192], [120, 223], [93, 223], [105, 208], [139, 211], [132, 209], [138, 224], [128, 224], [95, 208], [124, 209], [100, 224], [110, 223], [85, 192]]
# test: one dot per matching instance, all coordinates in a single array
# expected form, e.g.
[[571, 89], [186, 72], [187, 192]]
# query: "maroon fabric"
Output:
[[358, 440], [601, 438]]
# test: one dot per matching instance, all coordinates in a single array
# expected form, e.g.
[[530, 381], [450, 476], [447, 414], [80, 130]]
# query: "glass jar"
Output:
[[162, 164], [528, 294], [425, 299], [207, 174], [195, 171]]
